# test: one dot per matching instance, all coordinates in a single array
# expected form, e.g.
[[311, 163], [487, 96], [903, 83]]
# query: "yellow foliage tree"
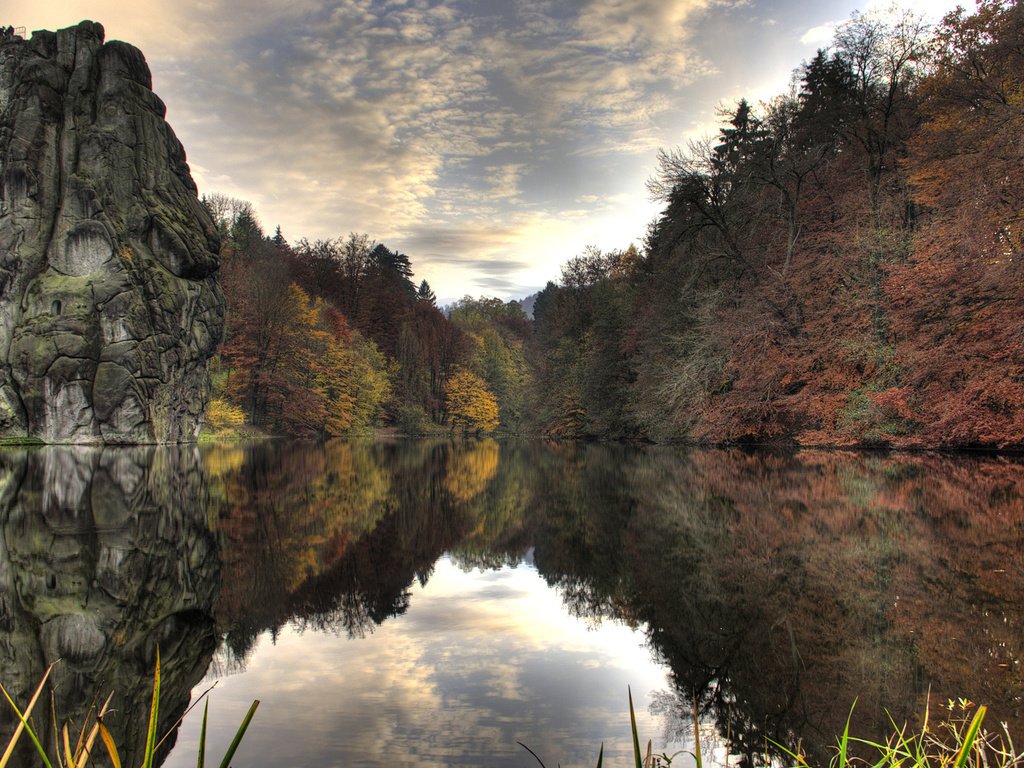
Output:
[[222, 415], [470, 404]]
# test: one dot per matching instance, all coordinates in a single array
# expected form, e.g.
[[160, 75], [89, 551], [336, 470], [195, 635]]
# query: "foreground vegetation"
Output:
[[958, 740], [70, 751]]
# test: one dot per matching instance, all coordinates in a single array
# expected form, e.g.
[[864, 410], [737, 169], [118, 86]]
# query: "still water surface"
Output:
[[433, 603]]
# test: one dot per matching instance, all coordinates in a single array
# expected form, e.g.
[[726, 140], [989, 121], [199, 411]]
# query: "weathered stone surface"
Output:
[[109, 302]]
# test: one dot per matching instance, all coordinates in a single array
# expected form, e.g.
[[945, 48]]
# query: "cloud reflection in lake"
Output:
[[480, 661]]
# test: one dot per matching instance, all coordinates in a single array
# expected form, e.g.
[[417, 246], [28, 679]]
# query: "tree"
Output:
[[256, 287], [884, 56], [354, 265], [423, 293], [469, 404], [967, 154], [318, 267]]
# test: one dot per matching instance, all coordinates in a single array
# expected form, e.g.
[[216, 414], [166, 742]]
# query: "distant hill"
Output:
[[528, 302]]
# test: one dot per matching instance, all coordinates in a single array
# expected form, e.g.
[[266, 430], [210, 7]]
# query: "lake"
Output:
[[419, 602]]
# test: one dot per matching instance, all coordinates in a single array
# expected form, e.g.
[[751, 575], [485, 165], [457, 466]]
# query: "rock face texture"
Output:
[[109, 303]]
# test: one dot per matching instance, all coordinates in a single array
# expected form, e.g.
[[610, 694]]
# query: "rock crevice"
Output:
[[109, 304]]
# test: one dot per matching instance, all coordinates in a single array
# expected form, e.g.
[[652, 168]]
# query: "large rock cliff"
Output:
[[109, 304]]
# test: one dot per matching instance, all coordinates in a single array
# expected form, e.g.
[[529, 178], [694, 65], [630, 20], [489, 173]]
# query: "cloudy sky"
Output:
[[490, 140]]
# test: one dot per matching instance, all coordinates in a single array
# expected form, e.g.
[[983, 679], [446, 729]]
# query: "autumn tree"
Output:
[[884, 55], [496, 332], [470, 406]]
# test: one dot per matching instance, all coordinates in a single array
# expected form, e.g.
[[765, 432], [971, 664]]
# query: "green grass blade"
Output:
[[696, 736], [238, 736], [202, 736], [972, 734], [173, 728], [632, 724], [24, 726], [844, 742], [28, 713], [153, 715], [600, 756]]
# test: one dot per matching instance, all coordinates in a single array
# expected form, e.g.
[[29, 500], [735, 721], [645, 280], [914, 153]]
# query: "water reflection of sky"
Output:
[[481, 660]]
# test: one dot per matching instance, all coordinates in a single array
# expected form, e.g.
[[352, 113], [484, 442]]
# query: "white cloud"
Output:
[[821, 35]]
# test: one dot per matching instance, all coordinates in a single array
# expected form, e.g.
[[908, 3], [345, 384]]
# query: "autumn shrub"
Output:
[[874, 415], [222, 415], [411, 419]]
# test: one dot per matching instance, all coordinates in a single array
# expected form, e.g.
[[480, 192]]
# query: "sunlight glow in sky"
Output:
[[490, 140]]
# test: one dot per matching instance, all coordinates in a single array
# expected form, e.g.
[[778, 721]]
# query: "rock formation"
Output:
[[109, 303]]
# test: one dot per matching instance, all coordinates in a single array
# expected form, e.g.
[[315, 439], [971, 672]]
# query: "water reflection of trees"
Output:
[[333, 536], [104, 553], [778, 588]]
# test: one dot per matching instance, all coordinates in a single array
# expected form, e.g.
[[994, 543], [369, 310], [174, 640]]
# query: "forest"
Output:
[[838, 266]]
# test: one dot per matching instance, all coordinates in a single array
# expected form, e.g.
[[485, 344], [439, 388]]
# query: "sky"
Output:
[[488, 140]]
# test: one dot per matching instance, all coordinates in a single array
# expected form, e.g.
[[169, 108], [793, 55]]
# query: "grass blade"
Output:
[[844, 742], [67, 747], [28, 713], [202, 737], [180, 720], [153, 713], [972, 734], [632, 724], [535, 757], [84, 749], [238, 736], [600, 756], [24, 726], [696, 735], [108, 742]]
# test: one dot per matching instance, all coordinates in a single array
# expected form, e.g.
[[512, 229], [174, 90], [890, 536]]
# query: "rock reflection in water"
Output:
[[778, 588], [104, 554]]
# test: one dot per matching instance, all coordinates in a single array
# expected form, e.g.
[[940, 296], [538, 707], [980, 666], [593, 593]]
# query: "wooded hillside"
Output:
[[841, 265]]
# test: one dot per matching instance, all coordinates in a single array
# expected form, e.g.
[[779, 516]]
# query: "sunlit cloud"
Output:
[[820, 35]]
